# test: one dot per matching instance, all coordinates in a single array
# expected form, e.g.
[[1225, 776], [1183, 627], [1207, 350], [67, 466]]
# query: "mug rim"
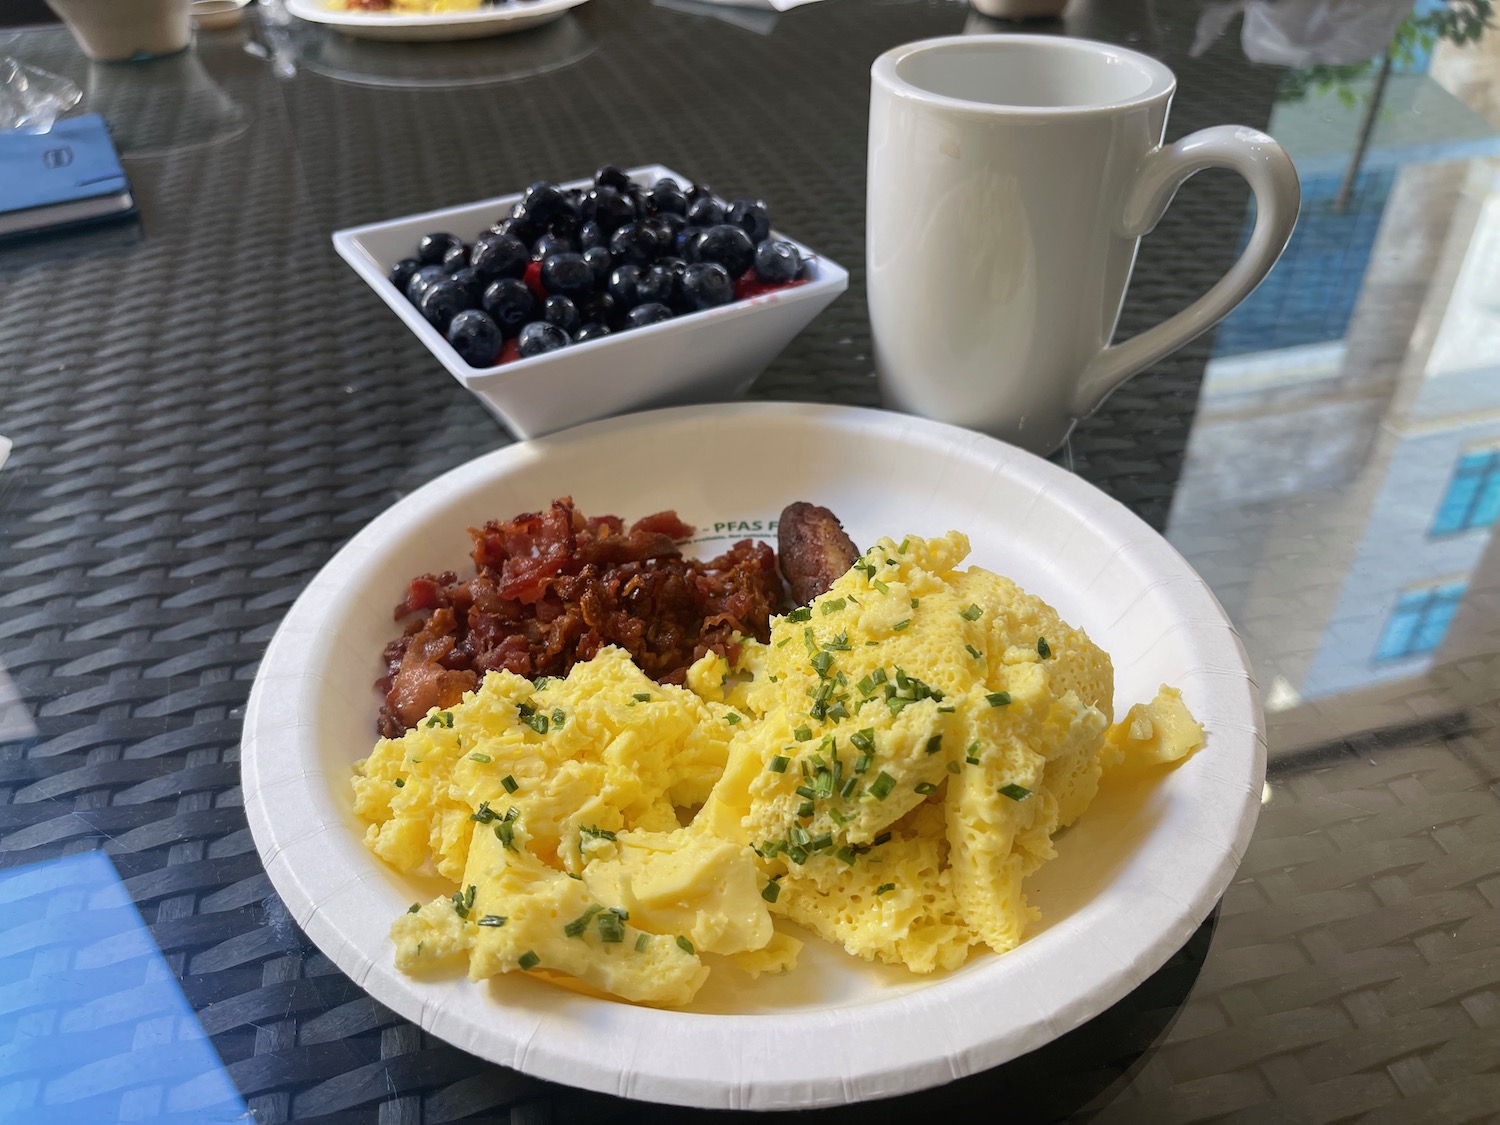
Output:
[[884, 72]]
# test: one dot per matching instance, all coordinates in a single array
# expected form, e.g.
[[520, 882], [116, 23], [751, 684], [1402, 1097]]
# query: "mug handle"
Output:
[[1268, 169]]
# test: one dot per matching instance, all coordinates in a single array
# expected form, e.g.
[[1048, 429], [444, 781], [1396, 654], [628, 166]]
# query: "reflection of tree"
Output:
[[1458, 22]]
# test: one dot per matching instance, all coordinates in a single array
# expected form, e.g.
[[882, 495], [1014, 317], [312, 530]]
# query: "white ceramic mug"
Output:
[[1011, 178]]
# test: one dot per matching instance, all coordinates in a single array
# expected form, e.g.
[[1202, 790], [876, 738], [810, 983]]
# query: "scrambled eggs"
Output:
[[410, 5], [885, 772]]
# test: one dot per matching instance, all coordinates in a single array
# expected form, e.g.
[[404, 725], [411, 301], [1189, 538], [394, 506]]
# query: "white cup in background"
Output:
[[1011, 178]]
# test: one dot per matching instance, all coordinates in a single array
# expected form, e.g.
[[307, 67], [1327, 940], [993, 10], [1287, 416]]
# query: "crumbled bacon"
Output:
[[553, 588]]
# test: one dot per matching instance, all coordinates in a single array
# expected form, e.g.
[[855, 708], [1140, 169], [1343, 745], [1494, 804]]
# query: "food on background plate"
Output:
[[411, 5], [555, 587], [570, 265], [884, 769]]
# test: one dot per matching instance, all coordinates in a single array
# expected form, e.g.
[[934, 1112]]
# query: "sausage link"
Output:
[[814, 549]]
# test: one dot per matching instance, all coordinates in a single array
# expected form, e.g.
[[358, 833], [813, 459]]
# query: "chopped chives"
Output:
[[898, 626], [484, 814], [596, 833], [509, 782], [824, 785], [802, 614], [822, 663], [558, 719], [973, 613], [478, 757], [934, 744], [837, 711], [863, 740], [838, 817], [806, 791], [414, 907], [848, 790], [505, 832], [881, 586], [831, 606], [821, 843], [641, 697], [810, 641], [1015, 792], [915, 602], [529, 961], [611, 927], [731, 718], [1043, 649], [537, 723], [953, 767], [864, 762], [783, 642], [493, 921], [926, 788], [440, 719], [797, 835], [846, 853], [779, 764], [797, 854], [885, 888], [576, 927], [998, 698], [641, 942], [947, 710], [881, 787], [974, 652], [902, 549], [684, 945], [805, 809], [400, 783], [802, 734], [540, 682], [771, 891], [865, 685], [883, 838]]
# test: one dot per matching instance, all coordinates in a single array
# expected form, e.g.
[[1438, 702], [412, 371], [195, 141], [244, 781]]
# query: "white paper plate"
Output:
[[1133, 878], [413, 27]]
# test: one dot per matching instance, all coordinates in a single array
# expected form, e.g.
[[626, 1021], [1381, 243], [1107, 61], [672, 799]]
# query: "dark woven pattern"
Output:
[[206, 409]]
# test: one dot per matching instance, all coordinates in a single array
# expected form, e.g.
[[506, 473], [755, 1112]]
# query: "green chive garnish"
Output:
[[885, 888], [848, 790], [802, 614], [484, 814], [529, 961], [998, 698], [902, 549], [832, 606], [974, 652], [558, 719], [642, 697], [973, 613], [400, 783], [881, 787], [953, 767], [805, 809], [915, 602], [1043, 649], [821, 663], [731, 718], [494, 921], [509, 782], [505, 832], [478, 757], [685, 945], [611, 927], [641, 942], [576, 927], [883, 838], [414, 908], [779, 764], [926, 788], [846, 853], [879, 585], [771, 891], [1015, 792], [441, 719], [802, 734], [934, 744], [898, 626]]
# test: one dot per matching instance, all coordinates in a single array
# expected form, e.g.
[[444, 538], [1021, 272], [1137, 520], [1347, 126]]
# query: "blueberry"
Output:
[[751, 216], [562, 312], [729, 246], [473, 284], [421, 280], [622, 285], [567, 274], [654, 287], [540, 336], [510, 304], [566, 220], [706, 285], [475, 337], [442, 301], [686, 243], [600, 308], [636, 244], [777, 262], [611, 176], [433, 246], [666, 197], [705, 212], [543, 201], [651, 313], [609, 209], [591, 331], [591, 234], [601, 262], [401, 273], [696, 192], [522, 228], [498, 255], [668, 224], [550, 244], [456, 258]]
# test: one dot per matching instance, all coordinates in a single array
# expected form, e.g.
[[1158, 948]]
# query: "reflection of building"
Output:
[[1373, 352]]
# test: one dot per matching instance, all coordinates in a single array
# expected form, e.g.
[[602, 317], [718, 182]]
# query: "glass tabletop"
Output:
[[205, 404]]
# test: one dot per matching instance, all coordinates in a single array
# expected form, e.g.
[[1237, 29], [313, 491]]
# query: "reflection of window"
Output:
[[1473, 496], [1419, 621]]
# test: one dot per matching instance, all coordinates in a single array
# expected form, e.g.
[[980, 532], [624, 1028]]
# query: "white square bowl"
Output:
[[706, 356]]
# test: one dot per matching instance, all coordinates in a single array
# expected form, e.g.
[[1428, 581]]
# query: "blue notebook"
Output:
[[68, 175]]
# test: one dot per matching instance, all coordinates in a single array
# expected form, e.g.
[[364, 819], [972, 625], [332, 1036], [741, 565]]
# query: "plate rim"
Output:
[[939, 1059], [314, 12]]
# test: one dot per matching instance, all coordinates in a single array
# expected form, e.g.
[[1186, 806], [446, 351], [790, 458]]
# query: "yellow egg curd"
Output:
[[885, 772]]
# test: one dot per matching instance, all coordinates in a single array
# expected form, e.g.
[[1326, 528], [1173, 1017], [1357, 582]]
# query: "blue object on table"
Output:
[[93, 1025], [68, 175]]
